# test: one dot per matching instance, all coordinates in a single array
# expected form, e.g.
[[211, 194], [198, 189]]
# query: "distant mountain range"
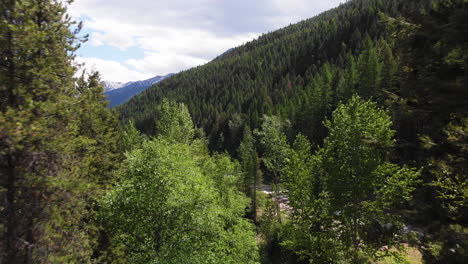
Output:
[[118, 92]]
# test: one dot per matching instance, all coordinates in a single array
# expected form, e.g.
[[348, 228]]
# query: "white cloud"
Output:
[[293, 11], [178, 34], [190, 42], [164, 63], [112, 38], [113, 70]]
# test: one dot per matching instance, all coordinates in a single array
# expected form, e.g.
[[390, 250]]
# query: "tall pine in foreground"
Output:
[[55, 137], [249, 161]]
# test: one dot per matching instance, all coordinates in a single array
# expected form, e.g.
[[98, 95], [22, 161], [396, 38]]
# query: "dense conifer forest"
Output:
[[340, 139]]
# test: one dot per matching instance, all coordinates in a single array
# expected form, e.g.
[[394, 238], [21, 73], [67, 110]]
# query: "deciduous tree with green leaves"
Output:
[[345, 193], [362, 183], [274, 144], [308, 233], [174, 203], [174, 122]]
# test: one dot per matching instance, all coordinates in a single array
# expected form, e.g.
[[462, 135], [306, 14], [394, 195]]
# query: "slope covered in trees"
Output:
[[265, 75], [356, 119], [408, 56]]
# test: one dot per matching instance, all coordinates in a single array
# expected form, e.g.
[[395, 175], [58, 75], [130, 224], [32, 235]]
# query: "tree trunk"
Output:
[[10, 209], [254, 198]]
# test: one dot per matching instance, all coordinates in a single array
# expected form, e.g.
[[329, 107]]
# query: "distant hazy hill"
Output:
[[118, 93]]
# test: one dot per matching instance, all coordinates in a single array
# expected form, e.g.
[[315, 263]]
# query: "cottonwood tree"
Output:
[[174, 122], [344, 194], [174, 203], [274, 145]]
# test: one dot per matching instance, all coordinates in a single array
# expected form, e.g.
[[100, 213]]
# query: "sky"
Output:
[[139, 39]]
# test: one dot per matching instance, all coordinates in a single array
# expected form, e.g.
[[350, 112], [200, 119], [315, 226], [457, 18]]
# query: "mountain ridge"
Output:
[[118, 93]]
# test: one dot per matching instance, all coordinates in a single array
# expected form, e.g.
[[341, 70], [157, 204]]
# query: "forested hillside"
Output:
[[408, 56], [340, 139], [268, 75]]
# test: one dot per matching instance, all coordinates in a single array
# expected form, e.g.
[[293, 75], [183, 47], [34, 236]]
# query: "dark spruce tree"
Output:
[[56, 137]]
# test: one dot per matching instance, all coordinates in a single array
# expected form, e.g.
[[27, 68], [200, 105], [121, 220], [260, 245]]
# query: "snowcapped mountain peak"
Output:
[[119, 92], [109, 86]]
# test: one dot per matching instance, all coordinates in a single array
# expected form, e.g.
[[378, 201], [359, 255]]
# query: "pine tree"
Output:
[[369, 69], [351, 77], [54, 150], [98, 125], [36, 76], [320, 104], [389, 66], [130, 137], [250, 166]]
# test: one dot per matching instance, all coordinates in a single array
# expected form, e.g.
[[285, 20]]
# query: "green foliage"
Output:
[[57, 139], [174, 122], [310, 217], [303, 178], [275, 148], [98, 125], [250, 166], [358, 142], [298, 171], [174, 203], [389, 66], [130, 137], [447, 246], [268, 75], [363, 185], [430, 112], [405, 55], [369, 69], [343, 194], [348, 88], [449, 179], [270, 227]]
